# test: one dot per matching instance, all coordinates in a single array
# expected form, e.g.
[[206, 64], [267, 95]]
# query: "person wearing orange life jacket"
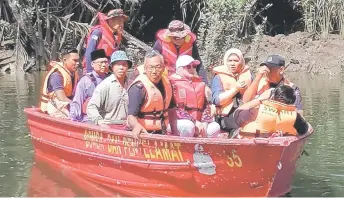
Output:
[[106, 35], [228, 85], [178, 40], [87, 85], [59, 84], [150, 98], [271, 74], [272, 114], [192, 107]]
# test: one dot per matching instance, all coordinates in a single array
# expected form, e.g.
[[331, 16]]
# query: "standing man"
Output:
[[109, 102], [106, 35], [59, 83], [178, 40], [87, 85]]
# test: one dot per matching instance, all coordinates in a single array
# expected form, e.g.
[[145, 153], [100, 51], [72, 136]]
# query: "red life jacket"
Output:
[[107, 41], [84, 105], [190, 95], [169, 50]]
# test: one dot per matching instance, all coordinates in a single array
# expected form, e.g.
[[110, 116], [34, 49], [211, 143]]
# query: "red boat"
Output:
[[110, 161]]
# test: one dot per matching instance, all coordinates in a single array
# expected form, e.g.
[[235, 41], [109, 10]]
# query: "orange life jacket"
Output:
[[272, 117], [169, 50], [191, 95], [107, 41], [66, 82], [154, 109], [229, 80]]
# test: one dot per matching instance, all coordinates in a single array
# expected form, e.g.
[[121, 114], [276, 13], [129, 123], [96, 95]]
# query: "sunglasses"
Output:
[[191, 66]]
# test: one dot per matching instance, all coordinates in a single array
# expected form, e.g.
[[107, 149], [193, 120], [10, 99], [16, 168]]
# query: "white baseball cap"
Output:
[[185, 60]]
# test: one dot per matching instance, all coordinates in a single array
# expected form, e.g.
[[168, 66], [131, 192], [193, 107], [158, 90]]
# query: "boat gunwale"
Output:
[[276, 141]]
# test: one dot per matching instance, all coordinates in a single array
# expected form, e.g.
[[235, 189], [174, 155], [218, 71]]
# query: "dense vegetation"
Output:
[[39, 28]]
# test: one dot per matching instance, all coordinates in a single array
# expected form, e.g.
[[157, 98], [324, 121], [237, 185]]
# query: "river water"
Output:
[[319, 174]]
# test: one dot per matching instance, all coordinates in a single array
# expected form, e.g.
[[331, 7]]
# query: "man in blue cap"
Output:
[[87, 85], [109, 103], [271, 74]]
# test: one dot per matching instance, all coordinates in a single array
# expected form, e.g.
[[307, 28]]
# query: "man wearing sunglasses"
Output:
[[191, 116], [106, 35], [175, 41], [87, 85]]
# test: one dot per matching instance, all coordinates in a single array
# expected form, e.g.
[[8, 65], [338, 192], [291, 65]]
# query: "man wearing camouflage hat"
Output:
[[175, 41], [106, 35]]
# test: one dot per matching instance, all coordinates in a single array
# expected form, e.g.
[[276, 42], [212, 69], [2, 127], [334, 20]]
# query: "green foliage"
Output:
[[223, 25], [324, 16]]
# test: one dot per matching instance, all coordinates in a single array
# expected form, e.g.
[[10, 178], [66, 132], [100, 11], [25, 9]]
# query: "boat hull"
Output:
[[112, 162]]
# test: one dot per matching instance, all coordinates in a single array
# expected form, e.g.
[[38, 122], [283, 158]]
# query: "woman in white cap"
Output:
[[191, 115]]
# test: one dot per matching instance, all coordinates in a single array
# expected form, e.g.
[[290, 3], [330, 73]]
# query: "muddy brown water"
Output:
[[319, 174]]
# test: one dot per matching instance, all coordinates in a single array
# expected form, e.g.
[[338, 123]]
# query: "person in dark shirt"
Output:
[[150, 97], [284, 94]]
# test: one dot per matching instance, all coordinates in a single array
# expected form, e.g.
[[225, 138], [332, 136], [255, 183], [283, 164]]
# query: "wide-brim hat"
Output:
[[116, 13], [179, 29], [120, 55]]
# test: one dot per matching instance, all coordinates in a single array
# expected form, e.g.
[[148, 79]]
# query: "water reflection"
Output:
[[320, 174], [17, 92], [47, 182]]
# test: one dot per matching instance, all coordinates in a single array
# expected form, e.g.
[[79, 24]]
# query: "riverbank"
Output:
[[304, 52]]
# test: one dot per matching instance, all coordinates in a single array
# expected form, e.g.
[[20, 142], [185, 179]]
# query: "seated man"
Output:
[[149, 97], [109, 102], [87, 85], [270, 75], [59, 83], [271, 113], [192, 106]]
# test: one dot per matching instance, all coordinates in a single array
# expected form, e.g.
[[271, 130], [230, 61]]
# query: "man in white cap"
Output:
[[192, 115]]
